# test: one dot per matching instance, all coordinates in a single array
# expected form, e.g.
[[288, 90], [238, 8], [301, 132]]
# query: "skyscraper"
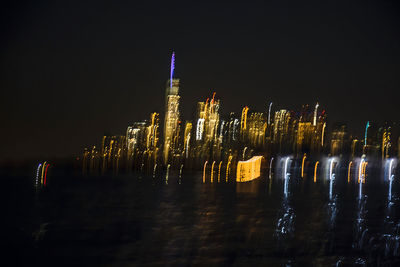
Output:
[[171, 121]]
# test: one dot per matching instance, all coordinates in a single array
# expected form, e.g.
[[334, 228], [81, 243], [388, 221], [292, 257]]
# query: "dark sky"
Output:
[[74, 70]]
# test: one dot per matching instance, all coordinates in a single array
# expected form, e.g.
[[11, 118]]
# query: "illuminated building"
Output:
[[386, 144], [356, 147], [187, 136], [315, 114], [223, 140], [243, 121], [136, 139], [232, 130], [207, 120], [283, 130], [304, 137], [372, 140], [248, 170], [152, 135], [212, 120], [152, 138], [172, 116], [318, 140], [256, 129], [208, 129], [113, 148], [339, 141]]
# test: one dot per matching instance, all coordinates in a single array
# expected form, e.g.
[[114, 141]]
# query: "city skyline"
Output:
[[250, 138], [70, 75], [234, 133]]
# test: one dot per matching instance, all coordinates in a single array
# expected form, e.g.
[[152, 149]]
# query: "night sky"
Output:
[[72, 71]]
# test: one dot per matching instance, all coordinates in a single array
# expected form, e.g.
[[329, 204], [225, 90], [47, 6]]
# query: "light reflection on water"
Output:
[[172, 217]]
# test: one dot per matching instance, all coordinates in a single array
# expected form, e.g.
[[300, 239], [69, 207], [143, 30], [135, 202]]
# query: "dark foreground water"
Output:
[[132, 220]]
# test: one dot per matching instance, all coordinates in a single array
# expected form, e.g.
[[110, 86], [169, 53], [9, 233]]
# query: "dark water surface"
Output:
[[131, 220]]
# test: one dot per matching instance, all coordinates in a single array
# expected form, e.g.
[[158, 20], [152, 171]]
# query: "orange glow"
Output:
[[361, 175], [204, 172], [212, 171], [248, 170], [322, 135], [302, 166], [219, 171], [349, 172], [364, 169], [43, 169], [227, 167], [244, 118], [315, 171]]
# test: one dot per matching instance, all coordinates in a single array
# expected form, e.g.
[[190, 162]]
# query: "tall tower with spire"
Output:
[[172, 116]]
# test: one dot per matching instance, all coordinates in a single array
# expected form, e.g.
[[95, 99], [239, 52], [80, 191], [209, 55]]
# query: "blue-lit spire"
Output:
[[172, 68], [366, 131]]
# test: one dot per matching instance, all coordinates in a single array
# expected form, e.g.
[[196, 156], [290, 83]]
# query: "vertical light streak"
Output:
[[383, 144], [219, 171], [331, 186], [363, 172], [322, 135], [166, 177], [227, 171], [172, 68], [244, 118], [199, 129], [43, 168], [302, 166], [331, 169], [286, 164], [227, 168], [204, 171], [45, 174], [244, 152], [366, 132], [391, 178], [180, 172], [360, 169], [287, 177], [361, 176], [315, 171], [390, 168], [154, 170], [212, 171], [270, 168], [315, 114], [37, 174], [269, 113], [349, 172], [187, 145]]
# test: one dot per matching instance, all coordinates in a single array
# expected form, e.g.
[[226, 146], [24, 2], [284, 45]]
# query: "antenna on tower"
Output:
[[172, 68]]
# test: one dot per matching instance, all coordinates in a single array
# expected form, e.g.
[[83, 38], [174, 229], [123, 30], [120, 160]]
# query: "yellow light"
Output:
[[212, 171], [248, 170], [227, 167], [361, 172], [219, 171], [244, 118], [348, 172], [43, 167], [302, 165], [364, 169], [315, 171], [204, 171], [322, 136]]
